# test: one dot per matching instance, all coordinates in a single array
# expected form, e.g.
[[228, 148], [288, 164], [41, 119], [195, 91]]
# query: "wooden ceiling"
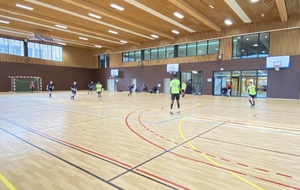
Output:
[[137, 22]]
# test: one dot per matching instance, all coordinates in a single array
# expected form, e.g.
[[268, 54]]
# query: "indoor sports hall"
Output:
[[68, 119]]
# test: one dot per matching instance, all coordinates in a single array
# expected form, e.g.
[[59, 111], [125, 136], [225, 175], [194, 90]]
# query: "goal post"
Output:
[[22, 83]]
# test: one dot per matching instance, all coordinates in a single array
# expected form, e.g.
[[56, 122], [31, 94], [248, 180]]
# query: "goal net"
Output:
[[22, 83]]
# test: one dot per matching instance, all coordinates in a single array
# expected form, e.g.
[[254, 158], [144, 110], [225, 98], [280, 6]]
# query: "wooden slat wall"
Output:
[[285, 42], [226, 48], [72, 57]]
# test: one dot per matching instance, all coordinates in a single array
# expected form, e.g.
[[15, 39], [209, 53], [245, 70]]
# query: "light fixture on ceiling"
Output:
[[255, 45], [263, 51], [60, 43], [228, 22], [83, 38], [247, 39], [175, 32], [254, 1], [117, 7], [112, 31], [4, 22], [262, 15], [211, 6], [154, 36], [24, 6], [94, 15], [123, 41], [98, 46], [178, 15], [61, 26], [195, 72]]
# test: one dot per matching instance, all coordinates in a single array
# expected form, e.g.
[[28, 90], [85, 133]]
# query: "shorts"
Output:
[[252, 96], [49, 90], [99, 92], [90, 89], [73, 92], [174, 96]]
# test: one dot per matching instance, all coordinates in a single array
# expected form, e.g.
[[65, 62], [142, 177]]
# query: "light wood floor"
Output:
[[133, 142]]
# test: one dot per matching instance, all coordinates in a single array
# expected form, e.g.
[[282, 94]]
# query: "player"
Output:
[[252, 92], [91, 87], [130, 88], [73, 90], [183, 89], [174, 89], [31, 86], [50, 87], [99, 90]]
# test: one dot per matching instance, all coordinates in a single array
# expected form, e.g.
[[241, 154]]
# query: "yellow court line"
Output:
[[7, 183], [211, 160]]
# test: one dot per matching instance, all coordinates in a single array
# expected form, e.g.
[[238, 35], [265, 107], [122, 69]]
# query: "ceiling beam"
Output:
[[282, 10], [193, 12], [103, 12]]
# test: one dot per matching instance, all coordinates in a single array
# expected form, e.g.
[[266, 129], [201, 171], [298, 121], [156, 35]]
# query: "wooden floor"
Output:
[[133, 142]]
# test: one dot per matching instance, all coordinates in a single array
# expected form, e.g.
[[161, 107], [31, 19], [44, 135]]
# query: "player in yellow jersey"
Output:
[[175, 91], [252, 93], [99, 90]]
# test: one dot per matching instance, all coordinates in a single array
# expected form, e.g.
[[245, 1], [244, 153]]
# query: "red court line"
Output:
[[284, 175], [262, 169], [281, 184]]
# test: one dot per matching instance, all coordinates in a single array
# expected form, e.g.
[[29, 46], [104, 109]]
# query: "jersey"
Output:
[[174, 85], [183, 86], [50, 86], [251, 90], [99, 87], [73, 88]]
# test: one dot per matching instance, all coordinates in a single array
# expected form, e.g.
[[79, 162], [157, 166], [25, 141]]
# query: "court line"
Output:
[[7, 183], [64, 160], [98, 155], [211, 160]]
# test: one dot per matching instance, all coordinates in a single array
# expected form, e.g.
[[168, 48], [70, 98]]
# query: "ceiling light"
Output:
[[175, 32], [24, 7], [117, 7], [228, 22], [60, 26], [98, 46], [4, 22], [247, 38], [254, 1], [262, 15], [60, 43], [154, 36], [255, 45], [263, 51], [178, 15], [123, 41], [195, 72], [95, 16], [266, 36], [113, 32], [83, 38], [211, 6]]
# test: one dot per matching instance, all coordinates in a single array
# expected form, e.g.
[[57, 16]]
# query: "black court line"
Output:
[[95, 156], [167, 151], [254, 147], [66, 161]]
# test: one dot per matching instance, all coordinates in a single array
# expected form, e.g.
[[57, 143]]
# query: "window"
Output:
[[250, 46], [162, 53], [103, 61], [182, 50], [131, 56], [202, 48], [154, 54], [191, 49], [213, 47], [11, 46], [138, 55], [125, 57], [147, 54], [170, 52]]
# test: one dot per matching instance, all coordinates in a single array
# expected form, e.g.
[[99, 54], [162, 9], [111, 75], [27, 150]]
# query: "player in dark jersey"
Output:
[[90, 86], [50, 87], [73, 90]]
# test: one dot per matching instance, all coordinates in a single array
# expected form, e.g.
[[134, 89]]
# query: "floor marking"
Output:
[[211, 160], [7, 183]]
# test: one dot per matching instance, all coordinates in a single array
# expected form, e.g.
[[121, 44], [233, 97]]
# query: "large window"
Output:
[[170, 52], [213, 47], [11, 46], [154, 53], [191, 49], [44, 51], [103, 61], [250, 46], [182, 50]]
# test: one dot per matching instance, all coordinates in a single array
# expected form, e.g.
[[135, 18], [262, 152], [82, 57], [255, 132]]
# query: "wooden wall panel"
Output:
[[72, 57], [226, 48], [285, 42]]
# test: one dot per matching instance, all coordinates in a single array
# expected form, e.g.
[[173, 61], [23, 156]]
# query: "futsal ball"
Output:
[[198, 105]]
